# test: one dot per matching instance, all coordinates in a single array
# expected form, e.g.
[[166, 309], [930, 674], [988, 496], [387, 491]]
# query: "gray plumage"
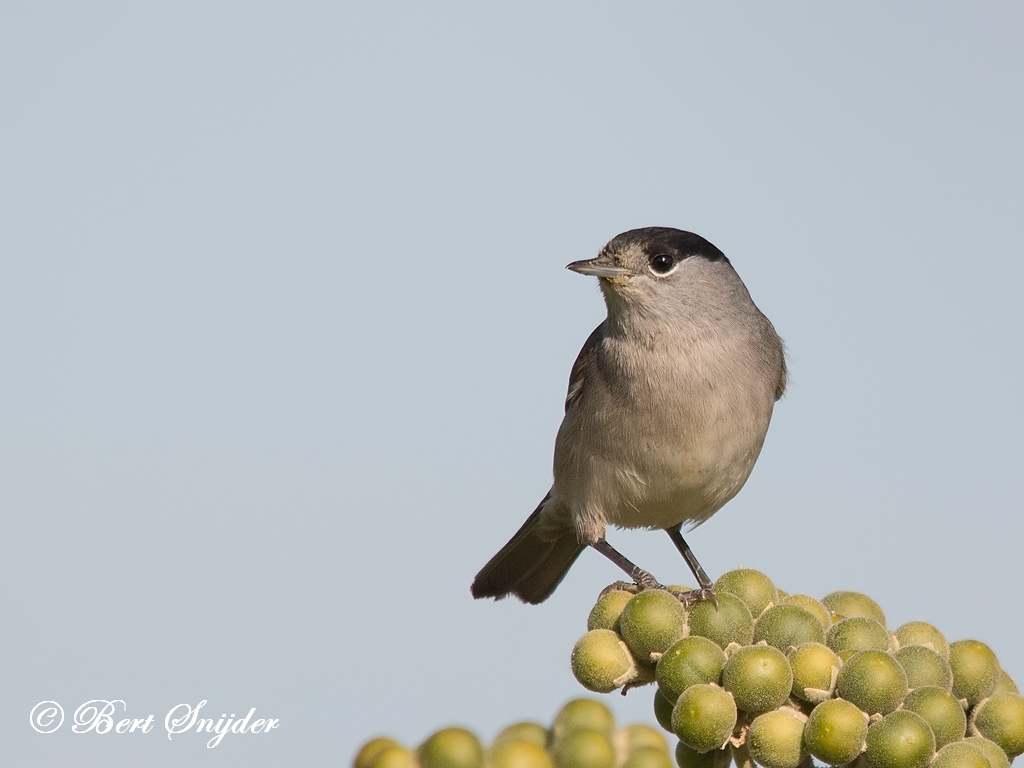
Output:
[[668, 406]]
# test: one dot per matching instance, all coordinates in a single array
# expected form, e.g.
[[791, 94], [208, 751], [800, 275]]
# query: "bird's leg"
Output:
[[641, 578], [705, 587]]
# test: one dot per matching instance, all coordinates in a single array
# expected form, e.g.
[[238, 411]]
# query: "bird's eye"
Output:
[[662, 264]]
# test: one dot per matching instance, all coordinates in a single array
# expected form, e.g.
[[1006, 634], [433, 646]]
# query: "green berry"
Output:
[[518, 754], [812, 606], [690, 661], [663, 711], [583, 713], [960, 754], [691, 758], [451, 748], [651, 622], [874, 681], [858, 633], [900, 740], [729, 622], [785, 626], [776, 739], [1005, 684], [639, 736], [835, 732], [975, 670], [371, 749], [602, 662], [924, 667], [752, 587], [942, 712], [394, 757], [1000, 718], [995, 756], [584, 748], [649, 757], [532, 732], [759, 678], [704, 717], [922, 633], [607, 610], [815, 668], [848, 605]]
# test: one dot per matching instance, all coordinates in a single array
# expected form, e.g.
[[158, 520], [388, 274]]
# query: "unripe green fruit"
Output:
[[975, 670], [815, 668], [752, 587], [924, 667], [776, 739], [691, 758], [857, 634], [785, 626], [583, 713], [942, 712], [900, 740], [874, 681], [960, 754], [607, 610], [730, 622], [835, 732], [602, 662], [812, 606], [371, 749], [995, 756], [518, 754], [534, 733], [394, 757], [651, 622], [759, 678], [1000, 718], [451, 748], [849, 605], [704, 717], [663, 711], [690, 661], [638, 736], [649, 757], [1005, 684], [584, 748], [922, 633]]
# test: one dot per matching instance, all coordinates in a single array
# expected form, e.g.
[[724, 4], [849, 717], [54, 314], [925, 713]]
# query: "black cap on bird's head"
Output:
[[656, 251]]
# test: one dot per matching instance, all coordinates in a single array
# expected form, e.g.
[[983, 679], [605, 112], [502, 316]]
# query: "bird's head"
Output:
[[654, 269]]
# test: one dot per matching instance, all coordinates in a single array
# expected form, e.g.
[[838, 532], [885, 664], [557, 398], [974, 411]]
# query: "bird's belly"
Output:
[[675, 474], [682, 486]]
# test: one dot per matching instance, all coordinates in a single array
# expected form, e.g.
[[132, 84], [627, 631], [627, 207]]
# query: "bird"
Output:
[[667, 410]]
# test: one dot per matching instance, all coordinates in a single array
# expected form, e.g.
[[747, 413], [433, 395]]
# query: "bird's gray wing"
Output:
[[584, 367]]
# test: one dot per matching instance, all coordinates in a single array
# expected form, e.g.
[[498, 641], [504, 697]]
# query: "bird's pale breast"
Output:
[[687, 425]]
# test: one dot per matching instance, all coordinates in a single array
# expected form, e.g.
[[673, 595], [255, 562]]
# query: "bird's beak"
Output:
[[597, 268]]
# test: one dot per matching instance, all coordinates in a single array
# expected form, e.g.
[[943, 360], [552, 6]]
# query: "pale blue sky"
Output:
[[286, 334]]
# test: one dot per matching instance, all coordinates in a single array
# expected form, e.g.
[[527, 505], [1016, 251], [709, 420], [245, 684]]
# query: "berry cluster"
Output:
[[583, 735], [774, 679]]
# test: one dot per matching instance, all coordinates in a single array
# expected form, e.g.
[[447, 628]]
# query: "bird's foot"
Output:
[[642, 581], [619, 586], [691, 597]]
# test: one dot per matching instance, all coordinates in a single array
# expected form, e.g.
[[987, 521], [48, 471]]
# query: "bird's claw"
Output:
[[691, 597], [619, 586], [642, 581]]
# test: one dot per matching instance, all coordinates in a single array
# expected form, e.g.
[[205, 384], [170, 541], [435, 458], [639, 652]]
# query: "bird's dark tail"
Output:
[[529, 566]]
